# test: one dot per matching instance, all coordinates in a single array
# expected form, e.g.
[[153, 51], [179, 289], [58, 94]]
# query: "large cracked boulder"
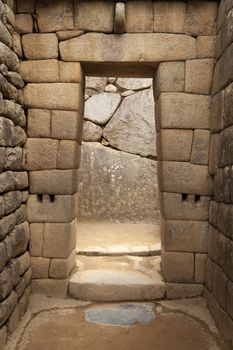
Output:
[[132, 128]]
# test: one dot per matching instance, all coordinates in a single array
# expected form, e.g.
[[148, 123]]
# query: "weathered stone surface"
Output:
[[7, 306], [10, 16], [91, 131], [39, 123], [17, 45], [68, 34], [15, 79], [206, 46], [174, 207], [226, 147], [19, 239], [50, 287], [170, 76], [9, 58], [40, 46], [199, 75], [133, 83], [23, 23], [174, 144], [40, 71], [183, 290], [8, 278], [70, 72], [183, 177], [94, 47], [4, 257], [132, 128], [178, 267], [12, 201], [185, 236], [201, 17], [53, 16], [110, 88], [5, 36], [200, 147], [41, 154], [169, 17], [7, 224], [64, 96], [36, 239], [13, 111], [96, 83], [24, 262], [139, 16], [200, 261], [217, 112], [25, 6], [61, 209], [66, 125], [131, 182], [68, 155], [100, 108], [20, 214], [183, 111], [11, 135], [7, 89], [53, 181], [61, 268], [228, 106], [94, 15], [6, 182], [40, 267], [3, 336]]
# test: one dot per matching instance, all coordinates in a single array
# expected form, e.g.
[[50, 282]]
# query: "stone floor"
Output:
[[68, 324]]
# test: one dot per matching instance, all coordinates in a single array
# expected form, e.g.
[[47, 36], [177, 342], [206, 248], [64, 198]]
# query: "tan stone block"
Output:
[[40, 71], [217, 112], [71, 72], [169, 16], [206, 46], [94, 15], [139, 16], [69, 153], [199, 75], [3, 337], [173, 144], [174, 206], [50, 287], [25, 6], [36, 239], [23, 23], [14, 320], [183, 177], [64, 96], [201, 17], [97, 47], [200, 147], [68, 34], [40, 154], [51, 209], [24, 262], [200, 262], [183, 111], [59, 240], [53, 181], [61, 268], [170, 77], [38, 123], [178, 267], [40, 46], [67, 125], [185, 236], [54, 15], [183, 290], [40, 267], [17, 45], [214, 153]]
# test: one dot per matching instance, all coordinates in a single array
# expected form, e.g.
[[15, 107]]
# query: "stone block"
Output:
[[61, 268], [53, 16], [19, 238], [11, 136], [69, 153], [185, 236], [20, 214], [13, 111], [40, 71], [40, 267], [3, 337], [200, 147], [169, 77], [5, 36], [178, 267], [38, 123], [17, 45], [41, 154], [201, 17], [225, 36], [7, 307], [183, 290], [183, 177], [27, 276], [228, 106], [50, 287], [40, 46], [214, 154], [219, 285], [67, 125], [7, 224], [173, 144], [139, 16], [23, 23], [229, 298], [217, 112], [91, 131], [53, 181], [25, 6], [12, 200], [64, 96], [206, 46], [68, 34], [14, 320], [226, 147], [48, 209], [14, 158], [36, 239], [97, 47], [169, 17], [199, 76], [200, 263], [9, 58], [59, 240], [71, 72], [183, 111], [94, 15], [24, 262]]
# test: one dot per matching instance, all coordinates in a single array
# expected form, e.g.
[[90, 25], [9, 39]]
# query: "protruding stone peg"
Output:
[[119, 22]]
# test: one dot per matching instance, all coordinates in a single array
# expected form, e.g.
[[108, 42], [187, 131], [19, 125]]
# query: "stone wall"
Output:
[[118, 172], [15, 272], [219, 268]]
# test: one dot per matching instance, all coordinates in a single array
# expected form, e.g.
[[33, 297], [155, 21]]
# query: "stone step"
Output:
[[117, 278], [106, 238]]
